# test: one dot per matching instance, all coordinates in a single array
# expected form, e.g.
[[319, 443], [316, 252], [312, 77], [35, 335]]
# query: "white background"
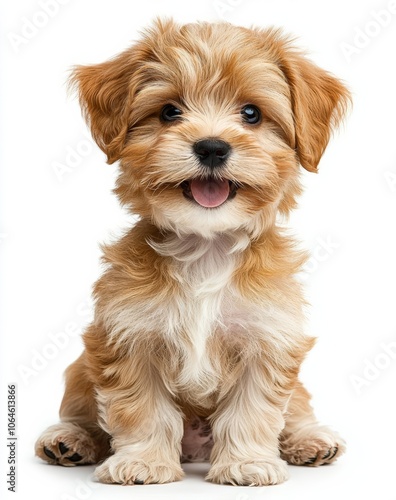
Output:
[[51, 226]]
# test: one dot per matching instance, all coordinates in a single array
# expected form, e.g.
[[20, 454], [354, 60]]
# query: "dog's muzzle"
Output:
[[210, 190]]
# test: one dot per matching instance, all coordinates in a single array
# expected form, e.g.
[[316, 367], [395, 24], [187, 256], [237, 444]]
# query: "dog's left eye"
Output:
[[251, 114], [170, 113]]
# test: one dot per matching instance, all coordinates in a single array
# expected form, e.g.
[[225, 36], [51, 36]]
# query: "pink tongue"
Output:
[[210, 193]]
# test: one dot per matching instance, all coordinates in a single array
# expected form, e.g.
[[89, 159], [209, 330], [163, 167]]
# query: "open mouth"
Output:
[[210, 192]]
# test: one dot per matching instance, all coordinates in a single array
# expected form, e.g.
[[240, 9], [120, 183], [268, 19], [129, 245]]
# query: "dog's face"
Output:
[[211, 124]]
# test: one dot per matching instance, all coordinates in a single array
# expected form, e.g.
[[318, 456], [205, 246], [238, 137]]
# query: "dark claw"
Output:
[[49, 453], [63, 448], [334, 453], [138, 481], [311, 460], [75, 458], [325, 457]]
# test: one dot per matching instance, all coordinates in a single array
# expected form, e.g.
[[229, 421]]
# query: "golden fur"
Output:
[[198, 327]]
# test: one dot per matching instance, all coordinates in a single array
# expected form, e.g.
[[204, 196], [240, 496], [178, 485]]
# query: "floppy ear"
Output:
[[319, 103], [106, 92]]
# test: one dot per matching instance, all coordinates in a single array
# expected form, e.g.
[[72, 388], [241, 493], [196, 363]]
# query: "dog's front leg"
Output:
[[246, 428], [145, 424]]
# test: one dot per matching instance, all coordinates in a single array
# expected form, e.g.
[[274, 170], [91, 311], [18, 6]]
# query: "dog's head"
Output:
[[210, 123]]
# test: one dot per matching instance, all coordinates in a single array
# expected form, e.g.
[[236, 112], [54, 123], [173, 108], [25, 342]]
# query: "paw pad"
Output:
[[59, 456], [49, 453]]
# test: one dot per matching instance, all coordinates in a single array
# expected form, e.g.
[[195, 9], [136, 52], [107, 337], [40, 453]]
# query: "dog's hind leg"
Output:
[[303, 440], [77, 439]]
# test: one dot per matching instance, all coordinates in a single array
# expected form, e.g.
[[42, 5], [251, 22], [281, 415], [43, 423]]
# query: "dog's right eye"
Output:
[[170, 113], [251, 114]]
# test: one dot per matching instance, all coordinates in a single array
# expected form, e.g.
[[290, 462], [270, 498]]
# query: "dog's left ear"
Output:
[[106, 92], [319, 103]]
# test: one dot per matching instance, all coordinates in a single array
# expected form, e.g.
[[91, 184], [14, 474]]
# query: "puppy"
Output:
[[198, 336]]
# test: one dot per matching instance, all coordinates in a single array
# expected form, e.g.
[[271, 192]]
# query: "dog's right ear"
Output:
[[106, 93], [319, 102]]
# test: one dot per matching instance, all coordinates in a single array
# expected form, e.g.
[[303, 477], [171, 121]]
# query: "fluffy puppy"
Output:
[[198, 328]]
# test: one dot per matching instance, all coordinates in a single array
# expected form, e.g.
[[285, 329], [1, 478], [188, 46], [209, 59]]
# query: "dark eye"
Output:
[[170, 113], [251, 114]]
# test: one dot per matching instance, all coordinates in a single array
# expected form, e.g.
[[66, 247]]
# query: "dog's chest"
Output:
[[201, 324], [202, 311], [204, 286]]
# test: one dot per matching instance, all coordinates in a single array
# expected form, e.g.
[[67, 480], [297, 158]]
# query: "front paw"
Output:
[[67, 444], [313, 446], [254, 473], [124, 469]]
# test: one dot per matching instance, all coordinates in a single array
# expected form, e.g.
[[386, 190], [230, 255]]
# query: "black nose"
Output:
[[212, 152]]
